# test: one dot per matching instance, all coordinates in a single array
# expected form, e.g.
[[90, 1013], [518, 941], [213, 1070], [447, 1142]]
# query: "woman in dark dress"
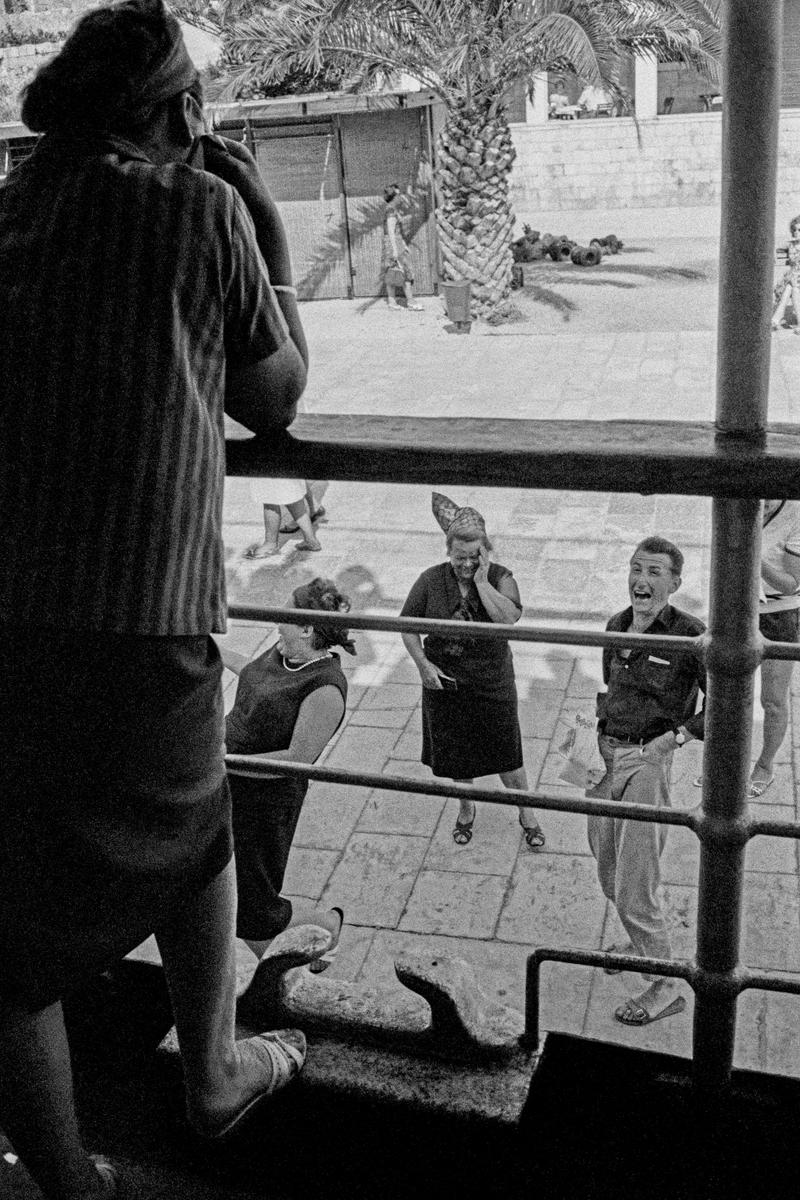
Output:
[[289, 703], [470, 725]]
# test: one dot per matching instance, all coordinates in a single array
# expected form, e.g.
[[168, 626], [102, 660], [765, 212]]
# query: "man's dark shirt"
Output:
[[651, 693]]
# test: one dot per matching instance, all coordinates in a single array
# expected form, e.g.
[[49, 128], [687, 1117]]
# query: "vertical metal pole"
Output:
[[731, 660], [752, 64], [751, 98]]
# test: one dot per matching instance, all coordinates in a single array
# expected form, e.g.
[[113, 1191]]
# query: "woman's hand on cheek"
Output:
[[482, 569]]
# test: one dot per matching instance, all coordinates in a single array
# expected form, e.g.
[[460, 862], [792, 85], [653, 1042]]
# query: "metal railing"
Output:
[[738, 460]]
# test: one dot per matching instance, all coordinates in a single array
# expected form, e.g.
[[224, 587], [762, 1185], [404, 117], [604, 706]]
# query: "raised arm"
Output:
[[263, 394], [502, 603]]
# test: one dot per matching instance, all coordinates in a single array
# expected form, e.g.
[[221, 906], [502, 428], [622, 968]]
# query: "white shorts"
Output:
[[277, 491]]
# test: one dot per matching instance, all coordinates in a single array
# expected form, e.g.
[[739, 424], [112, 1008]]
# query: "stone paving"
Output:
[[388, 858]]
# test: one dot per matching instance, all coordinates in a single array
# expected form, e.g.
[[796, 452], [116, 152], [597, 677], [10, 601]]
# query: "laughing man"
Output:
[[647, 712]]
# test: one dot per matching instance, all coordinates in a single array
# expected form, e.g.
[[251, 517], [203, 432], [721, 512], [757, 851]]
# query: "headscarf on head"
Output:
[[118, 63], [177, 73], [457, 522]]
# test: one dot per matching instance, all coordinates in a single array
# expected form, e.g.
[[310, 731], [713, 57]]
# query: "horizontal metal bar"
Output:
[[787, 829], [461, 629], [259, 768], [562, 635], [668, 457], [758, 981]]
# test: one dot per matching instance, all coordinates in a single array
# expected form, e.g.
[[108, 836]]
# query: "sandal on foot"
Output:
[[304, 545], [250, 552], [533, 835], [616, 949], [462, 831], [757, 787], [634, 1013], [108, 1173], [333, 922], [286, 1052]]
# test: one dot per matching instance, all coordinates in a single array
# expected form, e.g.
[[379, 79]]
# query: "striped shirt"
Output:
[[780, 537], [126, 289]]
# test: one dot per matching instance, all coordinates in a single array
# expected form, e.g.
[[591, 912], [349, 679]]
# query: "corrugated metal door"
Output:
[[303, 171], [389, 146], [790, 81]]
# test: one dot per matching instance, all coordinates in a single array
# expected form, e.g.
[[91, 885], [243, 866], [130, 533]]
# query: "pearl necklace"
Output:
[[327, 654]]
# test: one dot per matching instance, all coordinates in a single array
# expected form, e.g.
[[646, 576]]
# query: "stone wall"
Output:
[[18, 65], [599, 165]]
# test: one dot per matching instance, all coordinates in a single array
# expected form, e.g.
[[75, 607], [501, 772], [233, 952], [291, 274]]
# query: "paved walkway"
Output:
[[635, 339]]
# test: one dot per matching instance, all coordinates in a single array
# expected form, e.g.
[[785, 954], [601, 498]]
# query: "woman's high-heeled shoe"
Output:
[[533, 834], [462, 830]]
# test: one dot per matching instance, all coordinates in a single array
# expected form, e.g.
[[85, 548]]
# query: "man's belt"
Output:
[[623, 735], [774, 604]]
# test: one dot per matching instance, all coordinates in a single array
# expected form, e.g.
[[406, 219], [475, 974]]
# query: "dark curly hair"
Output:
[[96, 78], [390, 191], [324, 595], [660, 545]]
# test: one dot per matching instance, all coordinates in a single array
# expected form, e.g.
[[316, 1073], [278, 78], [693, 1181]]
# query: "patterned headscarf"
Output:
[[457, 522]]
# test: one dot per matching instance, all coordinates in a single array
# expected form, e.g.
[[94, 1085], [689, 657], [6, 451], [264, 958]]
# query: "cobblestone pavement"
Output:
[[389, 858]]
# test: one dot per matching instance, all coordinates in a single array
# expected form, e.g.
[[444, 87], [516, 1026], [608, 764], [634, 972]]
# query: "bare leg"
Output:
[[301, 514], [198, 950], [391, 296], [272, 524], [780, 309], [37, 1105], [518, 780], [775, 679], [409, 291], [462, 831], [796, 306]]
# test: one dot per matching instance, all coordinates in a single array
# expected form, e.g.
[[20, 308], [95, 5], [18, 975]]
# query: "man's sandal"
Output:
[[634, 1013]]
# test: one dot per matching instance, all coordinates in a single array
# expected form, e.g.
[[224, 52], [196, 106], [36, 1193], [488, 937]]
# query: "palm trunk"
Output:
[[474, 218]]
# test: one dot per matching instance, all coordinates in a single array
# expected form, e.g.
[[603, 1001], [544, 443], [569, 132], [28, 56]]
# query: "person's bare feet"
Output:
[[262, 1065], [308, 544]]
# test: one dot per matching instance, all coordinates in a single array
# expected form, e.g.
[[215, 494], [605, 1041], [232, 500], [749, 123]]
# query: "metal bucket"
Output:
[[457, 299]]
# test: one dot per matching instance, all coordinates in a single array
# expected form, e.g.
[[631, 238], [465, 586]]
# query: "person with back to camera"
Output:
[[647, 713], [145, 286], [470, 724], [789, 287], [396, 254], [289, 703]]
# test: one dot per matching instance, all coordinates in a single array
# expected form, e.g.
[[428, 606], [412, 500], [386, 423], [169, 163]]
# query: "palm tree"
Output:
[[470, 53]]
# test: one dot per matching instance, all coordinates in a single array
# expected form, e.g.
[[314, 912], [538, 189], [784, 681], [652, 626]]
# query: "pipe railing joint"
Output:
[[722, 832]]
